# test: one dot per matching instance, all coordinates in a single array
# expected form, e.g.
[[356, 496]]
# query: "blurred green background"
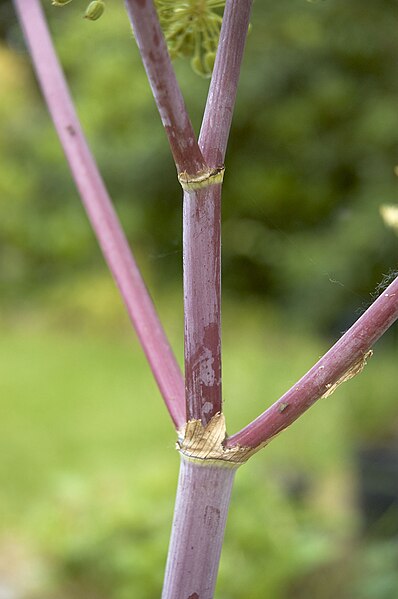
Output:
[[87, 465]]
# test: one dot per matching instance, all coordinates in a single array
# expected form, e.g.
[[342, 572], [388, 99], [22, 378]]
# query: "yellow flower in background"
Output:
[[389, 214]]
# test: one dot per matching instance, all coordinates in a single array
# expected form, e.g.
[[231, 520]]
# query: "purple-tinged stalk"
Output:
[[202, 226], [201, 218], [166, 91], [209, 460], [204, 486], [201, 509], [100, 210], [202, 302], [342, 361], [220, 103]]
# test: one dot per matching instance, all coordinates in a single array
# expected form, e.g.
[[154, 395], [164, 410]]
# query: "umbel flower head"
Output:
[[192, 29]]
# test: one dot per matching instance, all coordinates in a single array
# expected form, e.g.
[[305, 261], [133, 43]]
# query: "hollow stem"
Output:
[[346, 354], [203, 497], [100, 210]]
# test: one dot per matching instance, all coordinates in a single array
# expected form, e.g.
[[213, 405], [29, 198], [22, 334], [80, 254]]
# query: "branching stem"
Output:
[[346, 354], [204, 488], [202, 227], [100, 210]]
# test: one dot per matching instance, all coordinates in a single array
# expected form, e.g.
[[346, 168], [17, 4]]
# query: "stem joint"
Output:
[[202, 179]]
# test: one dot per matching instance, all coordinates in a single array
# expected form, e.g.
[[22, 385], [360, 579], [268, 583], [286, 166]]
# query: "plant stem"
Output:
[[165, 89], [344, 355], [220, 103], [202, 227], [202, 302], [201, 509], [100, 210]]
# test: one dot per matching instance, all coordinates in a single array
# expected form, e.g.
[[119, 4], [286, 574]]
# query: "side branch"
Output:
[[342, 361], [165, 88], [100, 210], [220, 103]]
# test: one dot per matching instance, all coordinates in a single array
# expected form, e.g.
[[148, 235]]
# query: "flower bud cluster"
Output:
[[192, 29]]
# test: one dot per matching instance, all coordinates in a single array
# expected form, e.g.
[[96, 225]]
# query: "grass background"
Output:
[[88, 468]]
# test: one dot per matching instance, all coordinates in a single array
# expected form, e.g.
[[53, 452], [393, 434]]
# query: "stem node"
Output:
[[204, 445], [202, 179]]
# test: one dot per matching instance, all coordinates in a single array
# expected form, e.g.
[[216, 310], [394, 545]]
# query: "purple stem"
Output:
[[202, 302], [165, 89], [220, 103], [100, 210], [203, 496], [352, 346], [202, 227], [201, 223]]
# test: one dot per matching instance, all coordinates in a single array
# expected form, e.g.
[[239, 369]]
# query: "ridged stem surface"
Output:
[[203, 497], [202, 302], [202, 227]]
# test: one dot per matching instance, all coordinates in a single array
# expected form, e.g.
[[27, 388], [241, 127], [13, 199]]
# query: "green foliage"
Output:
[[311, 159], [84, 491], [191, 28], [93, 11], [319, 112]]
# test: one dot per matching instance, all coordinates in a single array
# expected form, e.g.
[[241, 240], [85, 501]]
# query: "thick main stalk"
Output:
[[203, 497], [202, 226], [202, 302]]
